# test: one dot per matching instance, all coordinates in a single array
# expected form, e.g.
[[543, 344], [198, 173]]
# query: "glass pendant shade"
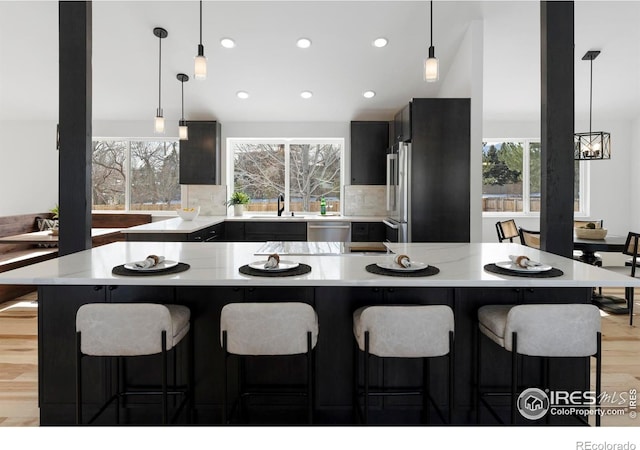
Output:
[[431, 67], [183, 131], [159, 123], [200, 67]]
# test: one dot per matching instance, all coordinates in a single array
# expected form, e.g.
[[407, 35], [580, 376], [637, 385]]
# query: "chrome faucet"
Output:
[[280, 199]]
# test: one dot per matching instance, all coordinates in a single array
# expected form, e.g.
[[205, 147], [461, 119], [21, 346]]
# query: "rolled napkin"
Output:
[[151, 261], [272, 261], [403, 261], [523, 261]]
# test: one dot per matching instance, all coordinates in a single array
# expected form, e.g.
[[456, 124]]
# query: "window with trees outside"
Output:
[[511, 177], [303, 171], [135, 175]]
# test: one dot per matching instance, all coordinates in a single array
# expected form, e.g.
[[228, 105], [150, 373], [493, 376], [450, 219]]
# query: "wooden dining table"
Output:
[[589, 247], [611, 243]]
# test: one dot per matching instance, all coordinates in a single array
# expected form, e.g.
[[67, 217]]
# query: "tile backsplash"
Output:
[[210, 198], [365, 200]]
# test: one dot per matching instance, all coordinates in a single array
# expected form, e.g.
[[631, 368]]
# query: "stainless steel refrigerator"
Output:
[[398, 192]]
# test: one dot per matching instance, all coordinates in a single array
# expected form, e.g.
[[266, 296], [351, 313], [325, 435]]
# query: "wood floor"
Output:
[[19, 359]]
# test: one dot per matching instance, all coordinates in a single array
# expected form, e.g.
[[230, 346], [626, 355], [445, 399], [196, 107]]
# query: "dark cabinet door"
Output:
[[210, 234], [369, 143], [367, 232], [200, 154], [440, 167], [234, 231], [275, 231], [402, 125]]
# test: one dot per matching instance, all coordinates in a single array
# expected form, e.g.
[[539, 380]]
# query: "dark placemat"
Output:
[[546, 274], [121, 270], [426, 272], [300, 270]]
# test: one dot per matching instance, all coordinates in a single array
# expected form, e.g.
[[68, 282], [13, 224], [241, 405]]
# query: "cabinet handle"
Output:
[[97, 288], [516, 290], [376, 289], [113, 288], [391, 290]]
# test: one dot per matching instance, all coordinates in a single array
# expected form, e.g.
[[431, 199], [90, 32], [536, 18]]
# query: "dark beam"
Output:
[[74, 185], [557, 89]]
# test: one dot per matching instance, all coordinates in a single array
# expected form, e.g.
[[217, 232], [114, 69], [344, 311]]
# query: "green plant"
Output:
[[238, 198], [55, 211]]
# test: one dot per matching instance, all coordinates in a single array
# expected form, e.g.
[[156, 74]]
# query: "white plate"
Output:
[[397, 268], [508, 265], [164, 265], [282, 266]]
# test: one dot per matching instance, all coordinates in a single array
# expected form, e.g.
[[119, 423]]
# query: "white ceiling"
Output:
[[338, 67]]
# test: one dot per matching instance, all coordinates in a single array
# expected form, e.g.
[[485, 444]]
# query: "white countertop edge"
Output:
[[217, 264], [178, 225]]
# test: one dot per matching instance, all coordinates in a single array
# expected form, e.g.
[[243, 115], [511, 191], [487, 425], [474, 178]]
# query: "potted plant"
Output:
[[238, 200], [55, 228]]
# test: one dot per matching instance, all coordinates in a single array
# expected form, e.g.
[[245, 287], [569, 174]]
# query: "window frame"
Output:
[[127, 169], [584, 201], [287, 142]]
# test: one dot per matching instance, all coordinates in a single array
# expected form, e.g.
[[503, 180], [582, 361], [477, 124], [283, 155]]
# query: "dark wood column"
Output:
[[557, 89], [74, 183]]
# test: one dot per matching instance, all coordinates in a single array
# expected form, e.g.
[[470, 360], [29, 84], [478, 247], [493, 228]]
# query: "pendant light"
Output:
[[431, 63], [594, 144], [200, 68], [183, 132], [161, 33]]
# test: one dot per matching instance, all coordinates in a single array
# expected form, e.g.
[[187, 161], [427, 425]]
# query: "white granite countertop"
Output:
[[216, 264], [177, 225]]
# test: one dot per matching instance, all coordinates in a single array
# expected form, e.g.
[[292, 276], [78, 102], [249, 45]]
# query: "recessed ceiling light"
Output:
[[304, 43], [242, 94], [306, 94], [380, 42], [369, 94], [227, 42]]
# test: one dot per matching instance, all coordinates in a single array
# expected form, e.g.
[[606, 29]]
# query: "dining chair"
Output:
[[506, 229], [631, 248], [529, 238]]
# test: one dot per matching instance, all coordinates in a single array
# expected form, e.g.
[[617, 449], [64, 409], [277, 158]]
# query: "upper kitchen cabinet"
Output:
[[369, 143], [402, 125], [200, 154]]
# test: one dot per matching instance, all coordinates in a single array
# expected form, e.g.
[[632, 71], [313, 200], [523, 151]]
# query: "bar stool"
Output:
[[123, 330], [411, 331], [269, 329], [549, 331]]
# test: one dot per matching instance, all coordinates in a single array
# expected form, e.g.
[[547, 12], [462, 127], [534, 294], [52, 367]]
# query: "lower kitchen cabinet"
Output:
[[367, 232], [266, 231], [208, 234]]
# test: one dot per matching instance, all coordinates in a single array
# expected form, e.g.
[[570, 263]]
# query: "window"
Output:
[[302, 170], [511, 178], [135, 175]]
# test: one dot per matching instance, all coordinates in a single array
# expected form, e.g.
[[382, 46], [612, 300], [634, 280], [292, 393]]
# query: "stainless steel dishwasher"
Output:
[[322, 231]]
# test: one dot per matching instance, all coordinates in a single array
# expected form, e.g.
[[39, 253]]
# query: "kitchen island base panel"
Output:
[[334, 352]]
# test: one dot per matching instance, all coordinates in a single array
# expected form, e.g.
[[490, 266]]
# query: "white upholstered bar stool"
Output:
[[407, 331], [124, 330], [269, 329], [548, 330]]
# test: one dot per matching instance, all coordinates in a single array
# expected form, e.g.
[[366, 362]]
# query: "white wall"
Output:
[[464, 78], [610, 181], [29, 169]]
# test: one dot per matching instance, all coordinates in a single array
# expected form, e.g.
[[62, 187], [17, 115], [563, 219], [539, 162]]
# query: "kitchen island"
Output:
[[336, 286]]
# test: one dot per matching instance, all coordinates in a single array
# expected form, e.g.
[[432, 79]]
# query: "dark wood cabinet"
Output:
[[402, 125], [234, 231], [369, 144], [208, 234], [200, 154], [440, 167], [275, 231], [367, 232]]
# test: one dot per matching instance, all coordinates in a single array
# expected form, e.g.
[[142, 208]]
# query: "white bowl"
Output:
[[590, 233], [189, 213]]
